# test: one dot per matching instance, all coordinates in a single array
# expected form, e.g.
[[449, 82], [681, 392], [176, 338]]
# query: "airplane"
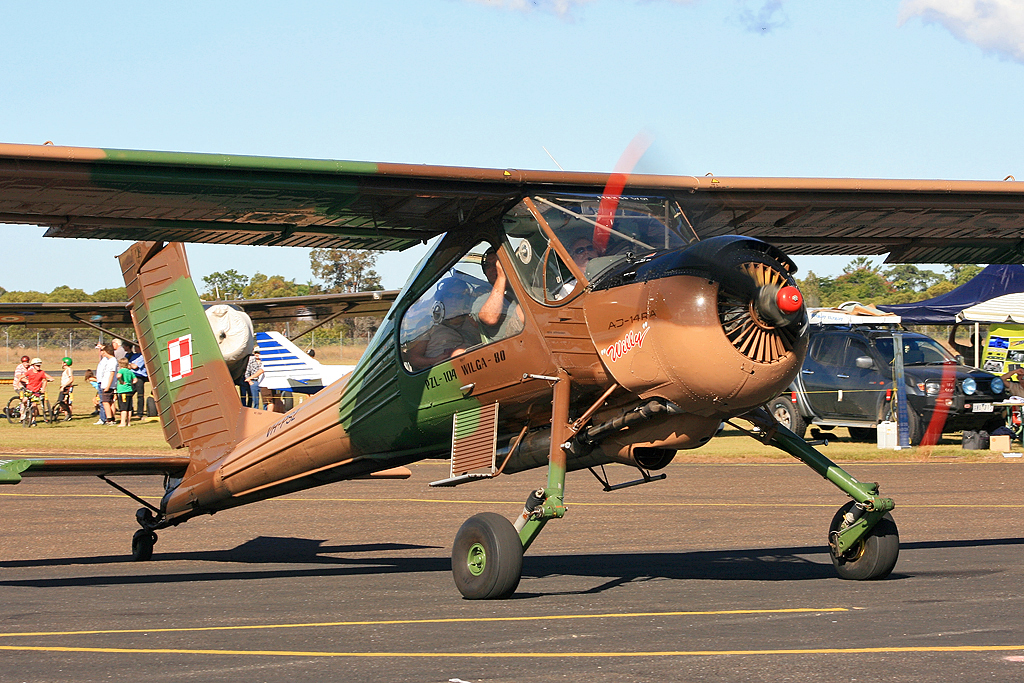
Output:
[[565, 320]]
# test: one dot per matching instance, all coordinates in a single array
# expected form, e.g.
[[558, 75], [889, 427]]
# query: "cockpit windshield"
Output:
[[594, 232]]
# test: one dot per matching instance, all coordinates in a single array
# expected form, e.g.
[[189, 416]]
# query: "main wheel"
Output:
[[788, 416], [487, 557], [142, 545], [13, 411], [874, 556]]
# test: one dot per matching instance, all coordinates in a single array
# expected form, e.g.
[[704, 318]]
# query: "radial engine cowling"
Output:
[[717, 328]]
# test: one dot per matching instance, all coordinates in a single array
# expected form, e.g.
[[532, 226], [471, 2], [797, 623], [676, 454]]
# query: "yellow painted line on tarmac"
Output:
[[448, 620], [525, 655], [646, 504]]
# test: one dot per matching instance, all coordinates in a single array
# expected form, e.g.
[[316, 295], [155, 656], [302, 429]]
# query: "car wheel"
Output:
[[788, 416]]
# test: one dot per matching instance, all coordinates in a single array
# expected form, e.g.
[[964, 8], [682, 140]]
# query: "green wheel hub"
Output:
[[476, 559]]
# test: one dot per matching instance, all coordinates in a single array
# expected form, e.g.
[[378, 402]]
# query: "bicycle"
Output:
[[37, 406], [62, 409], [13, 411]]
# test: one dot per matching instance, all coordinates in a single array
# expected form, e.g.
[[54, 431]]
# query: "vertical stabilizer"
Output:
[[195, 396]]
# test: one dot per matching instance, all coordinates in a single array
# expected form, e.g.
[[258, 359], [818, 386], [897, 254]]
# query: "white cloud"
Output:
[[561, 8], [996, 26]]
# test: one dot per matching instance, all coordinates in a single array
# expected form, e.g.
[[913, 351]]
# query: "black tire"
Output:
[[13, 411], [863, 434], [873, 557], [150, 407], [142, 545], [487, 557], [61, 413], [46, 410], [914, 425], [786, 413]]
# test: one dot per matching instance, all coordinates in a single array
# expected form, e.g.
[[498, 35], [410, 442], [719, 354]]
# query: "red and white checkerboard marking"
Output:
[[179, 354]]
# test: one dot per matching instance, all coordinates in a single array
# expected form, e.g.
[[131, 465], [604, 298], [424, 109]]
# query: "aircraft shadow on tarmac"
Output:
[[763, 564]]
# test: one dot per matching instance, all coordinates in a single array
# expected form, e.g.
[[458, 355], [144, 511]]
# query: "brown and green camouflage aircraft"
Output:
[[562, 319]]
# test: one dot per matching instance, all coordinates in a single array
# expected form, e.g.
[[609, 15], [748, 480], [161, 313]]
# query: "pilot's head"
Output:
[[456, 298], [582, 250], [489, 263]]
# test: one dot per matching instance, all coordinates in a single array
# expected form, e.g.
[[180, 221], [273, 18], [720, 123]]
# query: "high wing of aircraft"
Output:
[[564, 320], [316, 308]]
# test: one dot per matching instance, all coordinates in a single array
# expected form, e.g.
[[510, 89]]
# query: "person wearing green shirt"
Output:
[[125, 378]]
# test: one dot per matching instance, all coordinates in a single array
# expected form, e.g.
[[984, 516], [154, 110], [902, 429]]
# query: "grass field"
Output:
[[80, 435]]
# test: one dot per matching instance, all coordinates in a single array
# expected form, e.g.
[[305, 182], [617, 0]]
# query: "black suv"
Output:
[[847, 381]]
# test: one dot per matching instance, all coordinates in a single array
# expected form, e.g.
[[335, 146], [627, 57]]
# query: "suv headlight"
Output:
[[931, 387], [969, 386], [997, 385]]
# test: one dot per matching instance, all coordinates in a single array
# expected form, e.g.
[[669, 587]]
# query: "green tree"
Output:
[[346, 270], [110, 294], [224, 286], [960, 273], [270, 287], [906, 277], [860, 263], [65, 294]]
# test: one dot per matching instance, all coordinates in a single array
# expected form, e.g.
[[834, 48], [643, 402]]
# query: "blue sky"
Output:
[[876, 88]]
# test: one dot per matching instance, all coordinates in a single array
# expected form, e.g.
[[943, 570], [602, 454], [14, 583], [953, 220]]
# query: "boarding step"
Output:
[[474, 446]]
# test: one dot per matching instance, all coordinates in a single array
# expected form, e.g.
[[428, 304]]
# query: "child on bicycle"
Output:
[[67, 386], [35, 383]]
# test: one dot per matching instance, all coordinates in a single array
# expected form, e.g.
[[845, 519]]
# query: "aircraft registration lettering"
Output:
[[179, 357], [483, 362], [274, 428], [629, 342], [447, 377], [619, 322]]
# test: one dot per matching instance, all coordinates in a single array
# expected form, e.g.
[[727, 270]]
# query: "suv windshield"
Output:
[[916, 351]]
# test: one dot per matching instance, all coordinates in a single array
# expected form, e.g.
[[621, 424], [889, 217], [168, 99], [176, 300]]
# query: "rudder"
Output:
[[196, 399]]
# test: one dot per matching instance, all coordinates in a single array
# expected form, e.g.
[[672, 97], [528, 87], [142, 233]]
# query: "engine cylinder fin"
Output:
[[751, 335]]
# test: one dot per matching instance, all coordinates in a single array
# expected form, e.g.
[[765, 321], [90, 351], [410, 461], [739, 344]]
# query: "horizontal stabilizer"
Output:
[[11, 471]]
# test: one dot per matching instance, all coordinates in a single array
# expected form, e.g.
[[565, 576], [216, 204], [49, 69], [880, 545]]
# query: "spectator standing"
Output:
[[19, 374], [138, 365], [125, 380], [90, 379], [119, 349], [105, 374], [253, 376]]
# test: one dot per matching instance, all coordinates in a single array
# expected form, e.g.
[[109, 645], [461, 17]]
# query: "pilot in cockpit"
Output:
[[454, 329]]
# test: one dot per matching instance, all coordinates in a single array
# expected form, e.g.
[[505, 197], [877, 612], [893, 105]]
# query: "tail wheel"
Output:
[[142, 545], [487, 557], [874, 555], [755, 337]]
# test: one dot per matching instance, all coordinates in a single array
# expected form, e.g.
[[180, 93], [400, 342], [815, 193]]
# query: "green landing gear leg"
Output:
[[487, 556], [862, 538]]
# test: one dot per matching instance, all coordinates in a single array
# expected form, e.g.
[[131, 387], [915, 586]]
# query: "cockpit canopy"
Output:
[[561, 241]]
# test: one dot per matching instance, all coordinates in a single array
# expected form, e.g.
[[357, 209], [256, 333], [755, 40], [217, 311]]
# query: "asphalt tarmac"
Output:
[[718, 573]]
